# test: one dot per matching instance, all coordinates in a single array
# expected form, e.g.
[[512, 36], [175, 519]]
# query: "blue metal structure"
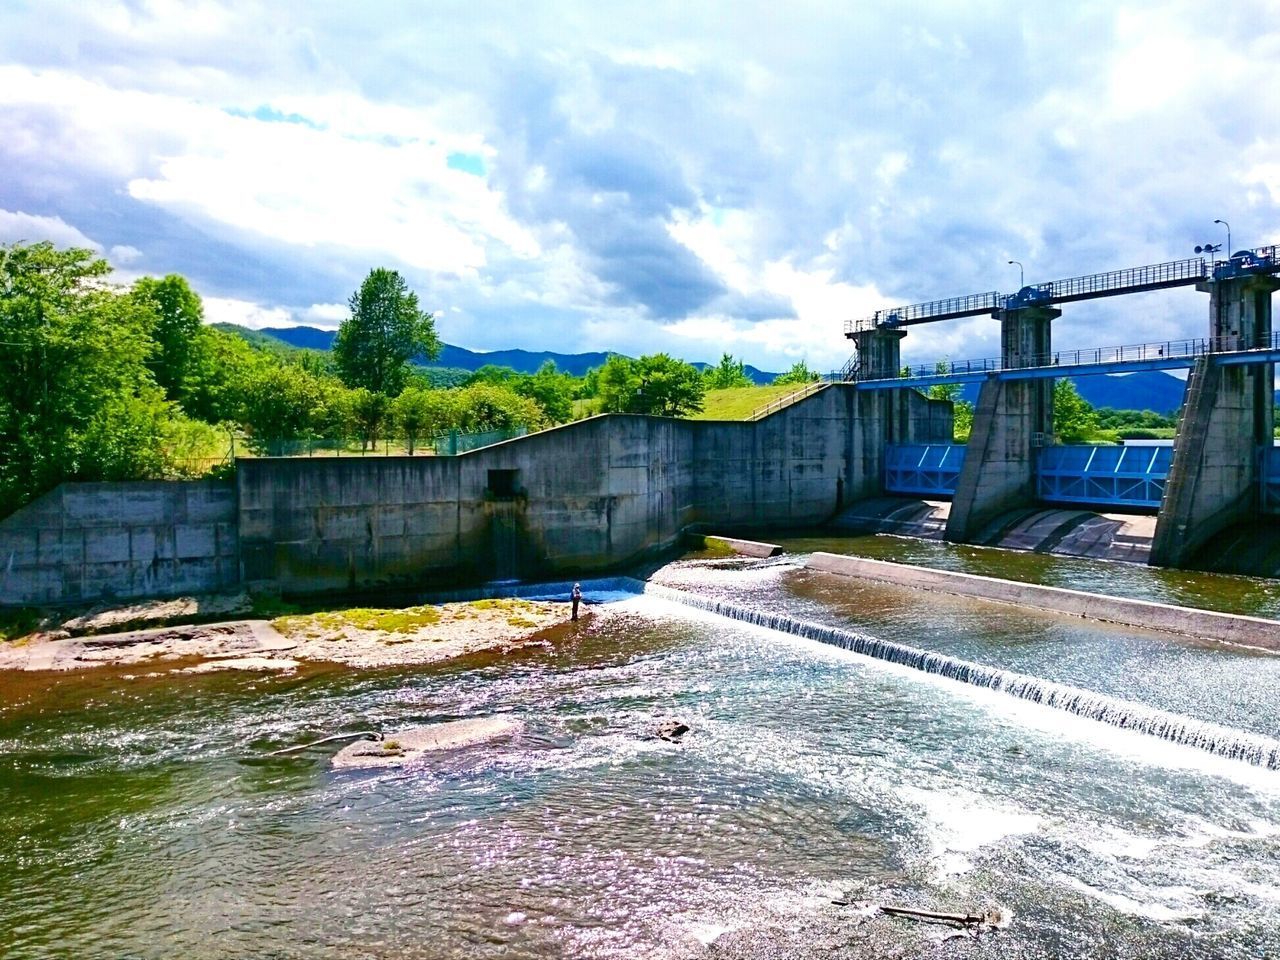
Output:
[[1271, 479], [1105, 476], [923, 469], [1108, 476]]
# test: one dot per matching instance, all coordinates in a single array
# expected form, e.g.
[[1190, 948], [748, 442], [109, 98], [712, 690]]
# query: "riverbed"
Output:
[[141, 816]]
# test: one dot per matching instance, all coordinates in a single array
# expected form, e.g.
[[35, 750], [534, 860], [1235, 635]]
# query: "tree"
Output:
[[283, 402], [219, 367], [490, 406], [658, 385], [78, 400], [550, 389], [1074, 418], [962, 410], [179, 317], [385, 331], [419, 412], [492, 373], [799, 374], [368, 412], [728, 373]]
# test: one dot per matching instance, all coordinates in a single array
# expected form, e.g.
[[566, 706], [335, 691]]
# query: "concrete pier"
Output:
[[1227, 420], [1011, 418]]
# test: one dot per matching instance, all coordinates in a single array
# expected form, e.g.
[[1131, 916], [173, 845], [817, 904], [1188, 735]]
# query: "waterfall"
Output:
[[1223, 741], [504, 538]]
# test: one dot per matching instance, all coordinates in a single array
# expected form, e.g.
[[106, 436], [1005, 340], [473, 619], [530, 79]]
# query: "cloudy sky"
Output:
[[689, 177]]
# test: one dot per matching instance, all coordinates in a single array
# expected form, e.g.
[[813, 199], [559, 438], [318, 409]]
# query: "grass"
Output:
[[738, 403], [17, 622], [408, 620]]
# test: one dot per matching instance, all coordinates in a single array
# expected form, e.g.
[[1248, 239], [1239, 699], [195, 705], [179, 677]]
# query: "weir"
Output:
[[1220, 470], [1210, 737]]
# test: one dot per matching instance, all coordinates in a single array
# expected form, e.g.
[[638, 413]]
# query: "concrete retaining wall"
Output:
[[1188, 621], [591, 496], [100, 541], [744, 548], [587, 497]]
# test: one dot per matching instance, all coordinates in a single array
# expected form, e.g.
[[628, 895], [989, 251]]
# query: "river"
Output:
[[141, 817]]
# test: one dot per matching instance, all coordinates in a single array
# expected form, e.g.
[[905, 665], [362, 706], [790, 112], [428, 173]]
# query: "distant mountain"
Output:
[[1147, 390], [522, 361]]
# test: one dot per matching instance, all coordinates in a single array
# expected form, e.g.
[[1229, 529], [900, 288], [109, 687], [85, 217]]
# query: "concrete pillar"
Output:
[[1026, 341], [879, 353], [1010, 419], [1227, 417]]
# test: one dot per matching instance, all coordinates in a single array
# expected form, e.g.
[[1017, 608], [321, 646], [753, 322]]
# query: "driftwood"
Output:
[[956, 919], [362, 735], [972, 923]]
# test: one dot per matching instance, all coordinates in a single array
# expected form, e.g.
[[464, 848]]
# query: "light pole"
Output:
[[1228, 226], [1022, 278]]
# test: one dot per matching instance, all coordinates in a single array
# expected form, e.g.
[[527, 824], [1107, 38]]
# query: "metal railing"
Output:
[[1110, 283], [1130, 353], [951, 307], [810, 388], [1130, 280]]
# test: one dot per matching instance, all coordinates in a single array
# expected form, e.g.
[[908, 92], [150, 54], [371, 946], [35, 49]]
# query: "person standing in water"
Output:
[[575, 598]]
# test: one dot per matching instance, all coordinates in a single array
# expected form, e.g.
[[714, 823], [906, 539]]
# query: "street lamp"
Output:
[[1022, 278], [1228, 226]]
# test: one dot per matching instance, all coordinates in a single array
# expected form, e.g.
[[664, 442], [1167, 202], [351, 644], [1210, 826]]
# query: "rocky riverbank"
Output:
[[362, 637]]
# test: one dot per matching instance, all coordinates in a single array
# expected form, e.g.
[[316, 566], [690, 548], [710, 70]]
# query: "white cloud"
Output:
[[19, 227], [245, 313], [122, 255], [275, 152]]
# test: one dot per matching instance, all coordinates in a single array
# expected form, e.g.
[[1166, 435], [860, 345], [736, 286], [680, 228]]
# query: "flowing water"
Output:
[[141, 817]]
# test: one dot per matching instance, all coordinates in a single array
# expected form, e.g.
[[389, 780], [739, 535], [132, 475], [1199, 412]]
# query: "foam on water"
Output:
[[1213, 738]]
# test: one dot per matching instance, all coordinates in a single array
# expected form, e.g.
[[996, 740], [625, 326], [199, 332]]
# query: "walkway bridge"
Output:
[[1160, 355], [1112, 283]]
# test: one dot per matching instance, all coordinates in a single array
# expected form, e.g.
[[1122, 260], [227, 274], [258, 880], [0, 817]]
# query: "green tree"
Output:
[[962, 410], [728, 373], [492, 373], [552, 390], [491, 406], [1074, 418], [658, 385], [78, 399], [368, 412], [179, 317], [219, 367], [283, 402], [799, 374], [419, 412], [385, 331]]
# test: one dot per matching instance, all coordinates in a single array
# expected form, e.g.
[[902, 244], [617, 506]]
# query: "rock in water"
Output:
[[672, 730], [406, 746]]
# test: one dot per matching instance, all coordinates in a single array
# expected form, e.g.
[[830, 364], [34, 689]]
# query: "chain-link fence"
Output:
[[445, 444]]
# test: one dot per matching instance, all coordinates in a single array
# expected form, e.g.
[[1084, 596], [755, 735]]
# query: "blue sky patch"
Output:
[[471, 163]]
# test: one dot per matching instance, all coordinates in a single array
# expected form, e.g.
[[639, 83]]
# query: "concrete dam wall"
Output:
[[86, 542], [590, 496]]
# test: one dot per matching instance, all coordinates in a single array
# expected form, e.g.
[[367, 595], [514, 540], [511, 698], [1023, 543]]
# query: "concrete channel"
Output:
[[1188, 621]]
